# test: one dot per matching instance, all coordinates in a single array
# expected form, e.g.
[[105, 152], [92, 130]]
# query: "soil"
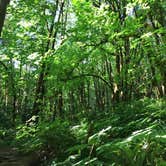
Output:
[[11, 157]]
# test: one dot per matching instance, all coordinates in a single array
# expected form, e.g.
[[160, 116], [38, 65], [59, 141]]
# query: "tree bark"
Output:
[[3, 8], [40, 89]]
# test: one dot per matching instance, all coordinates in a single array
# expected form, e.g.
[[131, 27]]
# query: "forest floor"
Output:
[[9, 156], [135, 130]]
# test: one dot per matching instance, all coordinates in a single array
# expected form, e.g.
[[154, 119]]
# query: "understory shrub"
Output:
[[48, 138], [132, 134]]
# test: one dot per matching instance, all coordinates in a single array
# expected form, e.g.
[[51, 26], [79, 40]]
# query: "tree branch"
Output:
[[88, 75], [1, 63]]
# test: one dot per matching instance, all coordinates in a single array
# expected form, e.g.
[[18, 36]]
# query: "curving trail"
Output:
[[10, 157]]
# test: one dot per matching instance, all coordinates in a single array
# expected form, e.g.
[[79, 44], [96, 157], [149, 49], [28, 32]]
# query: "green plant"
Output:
[[57, 137]]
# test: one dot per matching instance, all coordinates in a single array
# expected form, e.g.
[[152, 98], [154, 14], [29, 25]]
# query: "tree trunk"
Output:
[[3, 8]]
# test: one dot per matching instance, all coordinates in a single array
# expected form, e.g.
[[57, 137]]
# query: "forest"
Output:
[[82, 83]]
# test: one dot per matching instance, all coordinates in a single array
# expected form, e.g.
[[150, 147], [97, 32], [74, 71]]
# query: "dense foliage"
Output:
[[132, 134], [82, 82]]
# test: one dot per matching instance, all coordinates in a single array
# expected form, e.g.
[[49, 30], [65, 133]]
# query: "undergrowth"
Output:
[[131, 134]]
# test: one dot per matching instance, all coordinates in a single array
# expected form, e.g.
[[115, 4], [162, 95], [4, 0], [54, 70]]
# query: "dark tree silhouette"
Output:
[[3, 7]]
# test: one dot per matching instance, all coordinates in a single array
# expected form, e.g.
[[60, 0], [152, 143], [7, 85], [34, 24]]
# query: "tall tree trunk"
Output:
[[3, 8], [38, 103], [40, 89], [126, 65]]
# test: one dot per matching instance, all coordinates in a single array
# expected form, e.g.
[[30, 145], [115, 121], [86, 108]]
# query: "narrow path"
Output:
[[10, 157]]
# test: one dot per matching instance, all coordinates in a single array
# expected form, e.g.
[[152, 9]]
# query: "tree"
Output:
[[3, 8], [60, 58]]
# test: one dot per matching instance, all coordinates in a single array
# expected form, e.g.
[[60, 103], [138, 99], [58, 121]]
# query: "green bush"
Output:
[[133, 134], [27, 139], [57, 137], [144, 147]]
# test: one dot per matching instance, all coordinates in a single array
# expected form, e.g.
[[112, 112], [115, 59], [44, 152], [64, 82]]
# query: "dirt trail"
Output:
[[10, 157]]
